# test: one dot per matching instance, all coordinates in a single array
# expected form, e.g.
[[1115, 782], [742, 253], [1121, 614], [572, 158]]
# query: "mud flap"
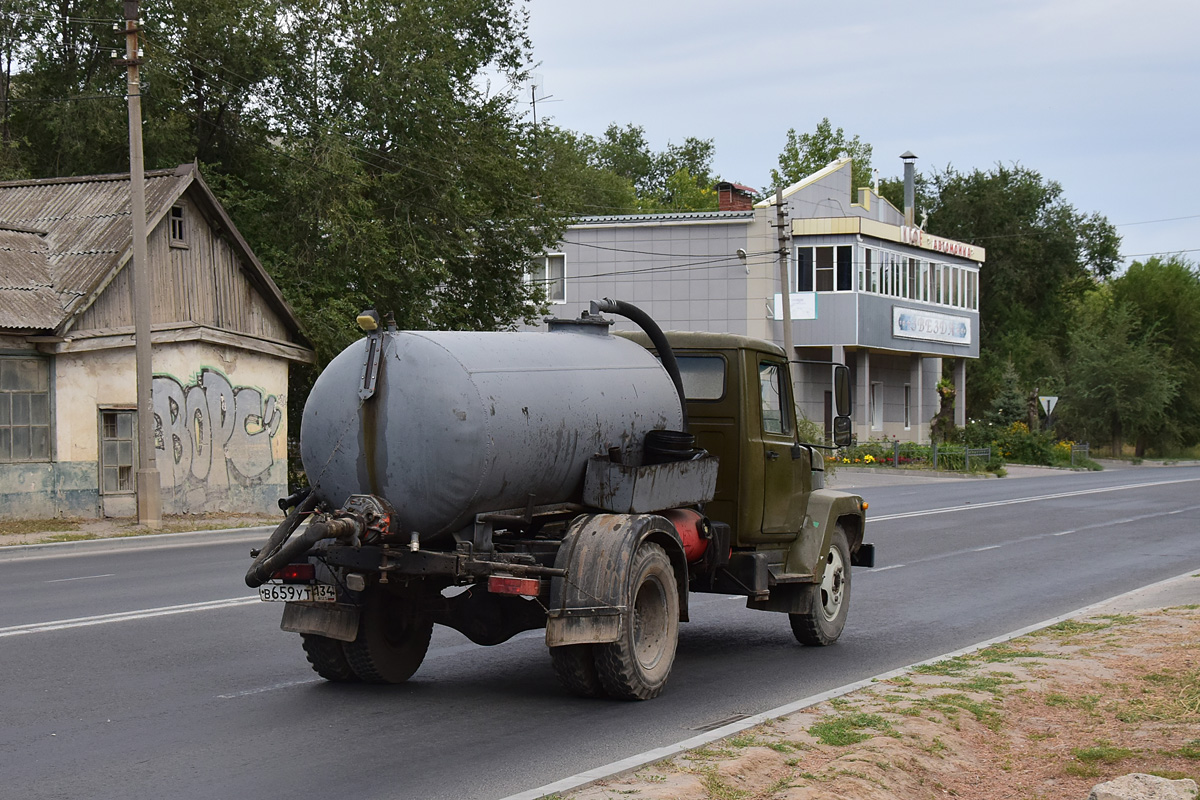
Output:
[[588, 605], [326, 619]]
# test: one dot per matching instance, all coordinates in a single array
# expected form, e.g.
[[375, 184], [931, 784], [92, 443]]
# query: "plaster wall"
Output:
[[221, 433]]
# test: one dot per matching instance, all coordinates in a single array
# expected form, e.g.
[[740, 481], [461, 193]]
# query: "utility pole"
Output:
[[785, 288], [149, 488]]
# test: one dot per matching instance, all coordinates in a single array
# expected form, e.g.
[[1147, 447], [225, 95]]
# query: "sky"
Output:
[[1102, 96]]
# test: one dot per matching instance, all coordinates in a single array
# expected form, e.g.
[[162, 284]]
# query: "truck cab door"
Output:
[[783, 475]]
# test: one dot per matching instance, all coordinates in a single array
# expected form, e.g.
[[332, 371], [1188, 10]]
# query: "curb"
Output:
[[150, 541], [633, 763]]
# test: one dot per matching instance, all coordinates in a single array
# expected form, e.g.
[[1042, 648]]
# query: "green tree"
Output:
[[805, 153], [572, 180], [1120, 382], [1043, 255], [1164, 296], [675, 179]]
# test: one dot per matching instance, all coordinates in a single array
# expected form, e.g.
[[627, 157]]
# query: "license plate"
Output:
[[297, 593]]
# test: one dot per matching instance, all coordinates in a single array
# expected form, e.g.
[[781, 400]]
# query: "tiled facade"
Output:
[[886, 299]]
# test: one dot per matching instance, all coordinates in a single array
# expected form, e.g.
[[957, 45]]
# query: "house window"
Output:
[[826, 269], [24, 409], [178, 227], [907, 406], [549, 272], [876, 406], [116, 452]]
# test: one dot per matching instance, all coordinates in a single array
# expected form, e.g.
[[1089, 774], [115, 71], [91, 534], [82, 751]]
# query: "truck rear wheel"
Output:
[[636, 666], [575, 666], [327, 658], [391, 641], [829, 602]]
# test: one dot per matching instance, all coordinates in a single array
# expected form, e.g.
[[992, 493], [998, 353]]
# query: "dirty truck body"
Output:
[[573, 480]]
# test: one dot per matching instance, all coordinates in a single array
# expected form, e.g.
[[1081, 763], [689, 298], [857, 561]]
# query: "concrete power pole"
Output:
[[149, 489], [785, 288]]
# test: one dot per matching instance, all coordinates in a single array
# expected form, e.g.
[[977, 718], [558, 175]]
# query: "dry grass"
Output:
[[1045, 716]]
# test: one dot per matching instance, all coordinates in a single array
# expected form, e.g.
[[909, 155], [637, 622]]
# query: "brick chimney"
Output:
[[734, 197]]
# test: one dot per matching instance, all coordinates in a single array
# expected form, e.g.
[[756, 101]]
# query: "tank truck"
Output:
[[572, 480]]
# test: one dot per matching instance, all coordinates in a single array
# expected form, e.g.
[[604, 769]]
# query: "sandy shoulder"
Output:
[[1047, 715]]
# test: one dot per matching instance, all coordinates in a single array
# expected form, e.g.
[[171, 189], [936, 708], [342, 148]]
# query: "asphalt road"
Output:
[[148, 673]]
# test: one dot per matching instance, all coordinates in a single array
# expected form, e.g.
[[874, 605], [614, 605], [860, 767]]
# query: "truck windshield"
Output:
[[703, 377]]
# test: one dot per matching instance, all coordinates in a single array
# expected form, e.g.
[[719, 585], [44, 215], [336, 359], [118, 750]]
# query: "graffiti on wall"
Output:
[[210, 433]]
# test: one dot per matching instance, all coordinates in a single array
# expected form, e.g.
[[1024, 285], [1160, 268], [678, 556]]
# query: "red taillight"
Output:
[[529, 587], [296, 573]]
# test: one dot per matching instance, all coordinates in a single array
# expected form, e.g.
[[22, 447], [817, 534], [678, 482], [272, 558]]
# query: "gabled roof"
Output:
[[821, 174], [27, 295], [63, 240]]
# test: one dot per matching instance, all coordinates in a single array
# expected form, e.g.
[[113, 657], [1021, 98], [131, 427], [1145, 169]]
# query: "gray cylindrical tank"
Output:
[[463, 423]]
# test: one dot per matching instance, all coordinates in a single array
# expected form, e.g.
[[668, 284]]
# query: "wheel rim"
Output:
[[833, 585], [650, 622]]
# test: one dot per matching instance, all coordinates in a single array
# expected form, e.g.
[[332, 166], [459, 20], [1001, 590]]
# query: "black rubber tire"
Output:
[[391, 641], [829, 603], [575, 666], [327, 658], [637, 665]]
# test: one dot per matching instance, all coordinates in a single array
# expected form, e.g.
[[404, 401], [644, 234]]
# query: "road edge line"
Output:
[[148, 541], [626, 765]]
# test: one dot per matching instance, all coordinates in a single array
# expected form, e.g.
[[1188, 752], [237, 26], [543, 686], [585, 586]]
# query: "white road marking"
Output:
[[989, 547], [1064, 533], [82, 578], [889, 566], [145, 613], [271, 688], [1016, 500]]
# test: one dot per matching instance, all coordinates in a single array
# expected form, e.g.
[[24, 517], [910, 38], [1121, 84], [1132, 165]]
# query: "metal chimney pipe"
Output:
[[910, 187]]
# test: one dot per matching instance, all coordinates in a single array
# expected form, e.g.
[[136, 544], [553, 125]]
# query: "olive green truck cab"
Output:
[[733, 502], [791, 540]]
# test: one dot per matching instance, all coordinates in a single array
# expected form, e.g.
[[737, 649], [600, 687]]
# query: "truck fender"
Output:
[[588, 606], [825, 509]]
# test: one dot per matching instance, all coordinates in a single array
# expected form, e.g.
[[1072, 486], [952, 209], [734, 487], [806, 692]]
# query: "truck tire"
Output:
[[391, 641], [327, 658], [829, 603], [575, 666], [636, 666]]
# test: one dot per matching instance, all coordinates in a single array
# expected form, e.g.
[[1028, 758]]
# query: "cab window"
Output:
[[776, 416], [703, 377]]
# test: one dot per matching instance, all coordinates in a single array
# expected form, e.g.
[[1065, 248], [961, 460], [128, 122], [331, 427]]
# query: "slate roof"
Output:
[[63, 239]]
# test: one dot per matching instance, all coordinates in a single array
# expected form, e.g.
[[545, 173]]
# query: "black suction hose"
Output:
[[261, 571], [657, 338]]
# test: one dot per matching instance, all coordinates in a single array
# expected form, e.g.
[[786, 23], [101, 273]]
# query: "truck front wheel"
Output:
[[636, 666], [391, 641], [829, 601]]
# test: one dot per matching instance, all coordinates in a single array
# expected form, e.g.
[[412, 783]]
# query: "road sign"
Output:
[[1048, 403]]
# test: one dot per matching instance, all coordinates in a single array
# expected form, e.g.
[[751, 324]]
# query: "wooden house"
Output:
[[223, 340]]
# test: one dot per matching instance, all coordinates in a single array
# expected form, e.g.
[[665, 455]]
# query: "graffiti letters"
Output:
[[209, 433]]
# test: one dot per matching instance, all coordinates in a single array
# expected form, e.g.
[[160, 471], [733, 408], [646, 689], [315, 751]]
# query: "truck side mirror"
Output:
[[841, 389], [841, 431]]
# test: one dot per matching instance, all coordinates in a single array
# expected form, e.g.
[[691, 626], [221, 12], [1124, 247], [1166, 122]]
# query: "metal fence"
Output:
[[1080, 451], [906, 454]]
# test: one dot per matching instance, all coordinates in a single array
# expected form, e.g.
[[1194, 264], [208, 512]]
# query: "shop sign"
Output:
[[919, 238], [803, 306], [930, 326]]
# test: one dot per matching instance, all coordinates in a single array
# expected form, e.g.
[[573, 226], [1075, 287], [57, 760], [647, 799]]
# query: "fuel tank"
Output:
[[462, 423]]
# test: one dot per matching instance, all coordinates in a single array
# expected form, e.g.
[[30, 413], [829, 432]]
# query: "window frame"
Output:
[[786, 422], [540, 275], [8, 411], [177, 227], [102, 463]]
